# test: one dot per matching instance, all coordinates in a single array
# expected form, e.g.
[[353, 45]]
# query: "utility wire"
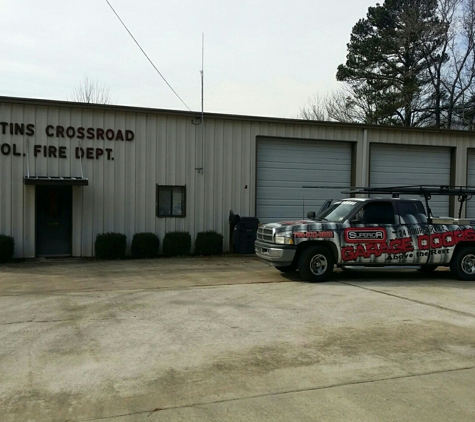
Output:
[[145, 54]]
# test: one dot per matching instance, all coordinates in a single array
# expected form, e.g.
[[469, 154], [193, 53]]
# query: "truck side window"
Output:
[[411, 213], [376, 213]]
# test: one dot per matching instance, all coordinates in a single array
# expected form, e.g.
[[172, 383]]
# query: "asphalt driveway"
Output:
[[213, 339]]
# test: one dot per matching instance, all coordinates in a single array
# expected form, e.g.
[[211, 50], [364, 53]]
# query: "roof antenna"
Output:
[[202, 80]]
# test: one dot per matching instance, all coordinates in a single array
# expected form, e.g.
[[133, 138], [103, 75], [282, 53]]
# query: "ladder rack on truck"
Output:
[[464, 193]]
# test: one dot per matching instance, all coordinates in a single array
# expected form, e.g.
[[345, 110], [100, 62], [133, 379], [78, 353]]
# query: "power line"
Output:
[[145, 54]]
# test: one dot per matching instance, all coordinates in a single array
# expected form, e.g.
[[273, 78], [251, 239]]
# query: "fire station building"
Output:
[[69, 171]]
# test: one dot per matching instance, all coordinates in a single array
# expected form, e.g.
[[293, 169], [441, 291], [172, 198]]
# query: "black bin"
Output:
[[245, 232]]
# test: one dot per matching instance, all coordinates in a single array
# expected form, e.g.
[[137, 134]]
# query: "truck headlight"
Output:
[[283, 240]]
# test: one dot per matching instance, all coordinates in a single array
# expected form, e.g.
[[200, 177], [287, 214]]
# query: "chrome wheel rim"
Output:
[[468, 264], [318, 264]]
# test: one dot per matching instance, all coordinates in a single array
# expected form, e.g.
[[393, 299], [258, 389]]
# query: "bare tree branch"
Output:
[[91, 91]]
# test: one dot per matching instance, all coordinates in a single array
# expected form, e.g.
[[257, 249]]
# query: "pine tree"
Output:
[[389, 57]]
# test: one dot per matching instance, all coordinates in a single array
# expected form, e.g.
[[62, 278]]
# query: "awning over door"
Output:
[[55, 181]]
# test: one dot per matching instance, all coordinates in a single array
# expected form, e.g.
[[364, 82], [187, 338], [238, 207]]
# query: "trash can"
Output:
[[245, 232]]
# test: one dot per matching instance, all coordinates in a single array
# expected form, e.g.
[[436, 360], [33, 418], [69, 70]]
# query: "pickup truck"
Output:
[[371, 232]]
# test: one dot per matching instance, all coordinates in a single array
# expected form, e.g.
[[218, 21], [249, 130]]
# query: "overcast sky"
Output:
[[261, 57]]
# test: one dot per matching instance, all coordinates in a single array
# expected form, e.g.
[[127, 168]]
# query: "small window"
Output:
[[377, 213], [411, 213], [171, 201]]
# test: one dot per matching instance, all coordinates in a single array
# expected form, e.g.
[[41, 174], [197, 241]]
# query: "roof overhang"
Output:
[[55, 181]]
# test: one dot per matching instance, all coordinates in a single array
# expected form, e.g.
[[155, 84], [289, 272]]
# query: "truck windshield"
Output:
[[338, 211]]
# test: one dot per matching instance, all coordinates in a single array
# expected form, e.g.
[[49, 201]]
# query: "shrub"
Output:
[[7, 246], [209, 243], [110, 245], [176, 243], [145, 245]]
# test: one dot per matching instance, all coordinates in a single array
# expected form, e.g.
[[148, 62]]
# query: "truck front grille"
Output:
[[264, 234]]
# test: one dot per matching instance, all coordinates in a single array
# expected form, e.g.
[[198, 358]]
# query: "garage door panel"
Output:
[[393, 165], [285, 165]]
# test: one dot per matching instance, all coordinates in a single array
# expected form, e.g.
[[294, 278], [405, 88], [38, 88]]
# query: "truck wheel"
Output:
[[316, 264], [287, 268], [462, 264]]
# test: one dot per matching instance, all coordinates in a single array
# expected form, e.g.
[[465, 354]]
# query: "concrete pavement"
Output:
[[213, 339]]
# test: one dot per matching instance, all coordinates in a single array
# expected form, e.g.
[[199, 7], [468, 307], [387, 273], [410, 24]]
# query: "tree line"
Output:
[[408, 63]]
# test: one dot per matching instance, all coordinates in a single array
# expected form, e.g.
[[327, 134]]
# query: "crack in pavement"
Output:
[[420, 302], [144, 289], [37, 321], [303, 390]]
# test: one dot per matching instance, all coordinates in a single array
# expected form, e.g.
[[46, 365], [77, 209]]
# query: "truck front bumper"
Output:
[[276, 255]]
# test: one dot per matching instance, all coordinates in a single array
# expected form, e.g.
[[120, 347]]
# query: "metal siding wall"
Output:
[[207, 158], [150, 173], [140, 171], [411, 165], [130, 177], [87, 192], [166, 150], [215, 133], [471, 180], [160, 168], [17, 216], [107, 180], [6, 181], [186, 173]]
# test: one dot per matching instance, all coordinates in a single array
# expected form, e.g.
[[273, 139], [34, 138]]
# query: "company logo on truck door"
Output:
[[364, 235]]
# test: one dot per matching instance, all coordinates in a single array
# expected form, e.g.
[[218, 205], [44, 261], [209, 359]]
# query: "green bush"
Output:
[[7, 246], [110, 245], [145, 245], [176, 243], [209, 243]]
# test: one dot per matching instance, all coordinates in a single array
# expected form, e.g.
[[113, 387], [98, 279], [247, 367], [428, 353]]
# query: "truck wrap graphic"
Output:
[[366, 231]]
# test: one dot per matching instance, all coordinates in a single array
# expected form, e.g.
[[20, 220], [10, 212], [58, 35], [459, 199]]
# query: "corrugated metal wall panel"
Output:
[[141, 170], [6, 196], [190, 157], [471, 180], [150, 176], [16, 205]]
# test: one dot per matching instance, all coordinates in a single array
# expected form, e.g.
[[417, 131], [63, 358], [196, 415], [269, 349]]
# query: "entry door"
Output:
[[53, 220]]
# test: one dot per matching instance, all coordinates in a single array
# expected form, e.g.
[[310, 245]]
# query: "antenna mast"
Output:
[[202, 73]]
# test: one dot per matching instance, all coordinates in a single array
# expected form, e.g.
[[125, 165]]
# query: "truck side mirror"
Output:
[[311, 215]]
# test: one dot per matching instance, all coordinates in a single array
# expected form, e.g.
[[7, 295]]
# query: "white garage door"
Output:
[[285, 165], [471, 181], [405, 165]]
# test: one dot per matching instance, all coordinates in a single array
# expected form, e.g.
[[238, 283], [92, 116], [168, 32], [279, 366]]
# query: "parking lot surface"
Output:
[[229, 338]]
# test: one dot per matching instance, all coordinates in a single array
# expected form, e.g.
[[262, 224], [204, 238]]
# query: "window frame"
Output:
[[170, 189]]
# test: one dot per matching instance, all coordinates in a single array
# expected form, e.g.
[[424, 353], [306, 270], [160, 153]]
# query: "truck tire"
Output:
[[462, 264], [316, 264]]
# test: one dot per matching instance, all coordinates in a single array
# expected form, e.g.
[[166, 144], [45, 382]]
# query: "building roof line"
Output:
[[223, 116]]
